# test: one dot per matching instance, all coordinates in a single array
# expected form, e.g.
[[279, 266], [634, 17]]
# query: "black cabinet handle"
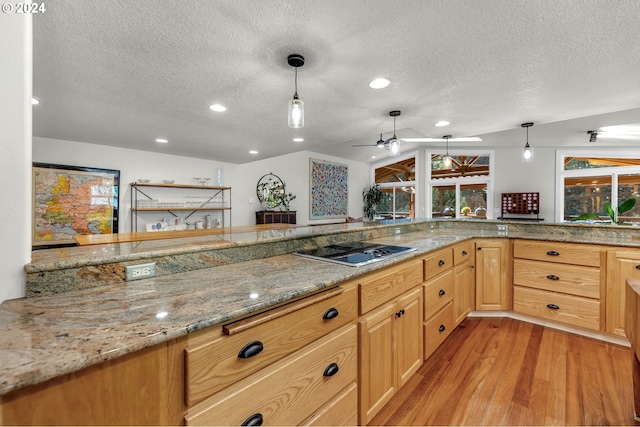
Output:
[[331, 370], [479, 249], [464, 252], [250, 350], [441, 262], [253, 420], [553, 253], [398, 314], [553, 277], [402, 311], [441, 328], [442, 292], [638, 266], [330, 314], [553, 306]]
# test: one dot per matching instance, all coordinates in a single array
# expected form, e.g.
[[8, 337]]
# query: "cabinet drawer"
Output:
[[216, 364], [378, 288], [342, 410], [567, 253], [437, 293], [437, 329], [569, 279], [437, 263], [462, 252], [569, 309], [289, 391]]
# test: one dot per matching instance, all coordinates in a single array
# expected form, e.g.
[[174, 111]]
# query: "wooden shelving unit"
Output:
[[520, 205], [139, 189]]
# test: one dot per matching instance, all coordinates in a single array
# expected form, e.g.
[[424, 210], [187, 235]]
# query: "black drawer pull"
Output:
[[331, 370], [638, 266], [250, 350], [553, 253], [553, 306], [330, 314], [253, 420], [464, 252], [398, 314], [442, 292], [479, 249], [441, 262], [553, 277], [441, 328]]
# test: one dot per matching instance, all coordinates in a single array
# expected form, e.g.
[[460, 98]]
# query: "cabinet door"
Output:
[[409, 334], [464, 291], [492, 288], [621, 265], [378, 381]]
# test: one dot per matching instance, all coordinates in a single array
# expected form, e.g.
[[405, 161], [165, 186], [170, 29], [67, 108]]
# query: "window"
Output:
[[397, 182], [588, 181], [462, 191]]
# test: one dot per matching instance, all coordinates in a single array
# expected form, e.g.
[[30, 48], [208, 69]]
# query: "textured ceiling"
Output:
[[123, 73]]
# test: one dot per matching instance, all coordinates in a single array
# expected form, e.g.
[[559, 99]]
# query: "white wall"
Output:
[[15, 151], [293, 169]]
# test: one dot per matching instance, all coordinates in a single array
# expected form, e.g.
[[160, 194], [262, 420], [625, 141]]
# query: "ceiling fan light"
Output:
[[394, 147]]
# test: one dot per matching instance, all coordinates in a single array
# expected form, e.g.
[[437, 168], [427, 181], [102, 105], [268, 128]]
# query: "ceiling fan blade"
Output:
[[463, 139], [365, 145]]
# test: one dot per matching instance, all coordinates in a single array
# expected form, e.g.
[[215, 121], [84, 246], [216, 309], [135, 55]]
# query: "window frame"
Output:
[[390, 161], [457, 182]]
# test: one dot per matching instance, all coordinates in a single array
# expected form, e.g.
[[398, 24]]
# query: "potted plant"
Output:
[[371, 196], [614, 214]]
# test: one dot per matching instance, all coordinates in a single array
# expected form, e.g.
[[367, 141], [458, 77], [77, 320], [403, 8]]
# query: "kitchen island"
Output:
[[49, 336]]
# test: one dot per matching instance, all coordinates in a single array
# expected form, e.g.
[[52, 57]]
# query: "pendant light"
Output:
[[446, 160], [296, 106], [394, 142], [527, 151]]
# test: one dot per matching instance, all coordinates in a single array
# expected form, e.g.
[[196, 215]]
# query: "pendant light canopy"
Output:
[[446, 160], [527, 151], [296, 106], [394, 142]]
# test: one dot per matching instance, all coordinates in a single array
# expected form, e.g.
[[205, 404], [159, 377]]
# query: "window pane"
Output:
[[402, 171], [473, 201], [571, 163], [405, 202], [385, 207], [461, 165], [586, 195], [443, 201], [628, 188]]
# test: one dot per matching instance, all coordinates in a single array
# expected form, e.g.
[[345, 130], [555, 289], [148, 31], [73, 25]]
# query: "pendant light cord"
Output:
[[296, 83]]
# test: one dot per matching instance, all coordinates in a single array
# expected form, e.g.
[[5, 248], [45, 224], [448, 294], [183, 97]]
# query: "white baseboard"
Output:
[[613, 339]]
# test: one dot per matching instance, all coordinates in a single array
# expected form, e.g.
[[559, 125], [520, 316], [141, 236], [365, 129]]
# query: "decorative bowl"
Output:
[[168, 181], [144, 180]]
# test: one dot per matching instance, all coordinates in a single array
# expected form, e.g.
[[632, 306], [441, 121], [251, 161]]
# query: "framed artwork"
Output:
[[72, 200], [328, 189]]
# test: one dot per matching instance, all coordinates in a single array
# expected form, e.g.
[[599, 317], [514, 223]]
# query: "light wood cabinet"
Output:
[[622, 264], [493, 291], [391, 350], [464, 291]]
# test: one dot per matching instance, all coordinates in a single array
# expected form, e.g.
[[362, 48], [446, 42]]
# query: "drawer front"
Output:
[[342, 410], [212, 366], [437, 293], [572, 310], [437, 329], [569, 279], [437, 263], [288, 392], [567, 253], [378, 288], [463, 252]]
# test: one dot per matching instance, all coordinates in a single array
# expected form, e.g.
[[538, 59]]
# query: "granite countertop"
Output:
[[44, 337]]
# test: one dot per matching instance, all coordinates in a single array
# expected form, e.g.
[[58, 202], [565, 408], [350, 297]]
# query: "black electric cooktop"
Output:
[[355, 254]]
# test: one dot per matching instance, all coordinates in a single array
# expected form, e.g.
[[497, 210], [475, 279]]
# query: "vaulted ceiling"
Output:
[[124, 73]]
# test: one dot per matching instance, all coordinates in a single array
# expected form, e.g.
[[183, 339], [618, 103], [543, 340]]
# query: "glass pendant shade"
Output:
[[527, 153], [296, 112], [394, 147], [446, 161]]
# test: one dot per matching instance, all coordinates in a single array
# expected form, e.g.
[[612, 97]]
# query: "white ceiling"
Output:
[[123, 73]]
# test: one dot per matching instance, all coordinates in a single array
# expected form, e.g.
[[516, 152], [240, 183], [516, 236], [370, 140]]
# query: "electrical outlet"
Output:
[[398, 230], [140, 271]]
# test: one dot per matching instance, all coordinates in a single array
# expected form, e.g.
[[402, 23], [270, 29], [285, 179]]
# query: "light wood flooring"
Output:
[[500, 371]]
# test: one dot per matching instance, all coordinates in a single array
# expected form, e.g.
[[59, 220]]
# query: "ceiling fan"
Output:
[[392, 144]]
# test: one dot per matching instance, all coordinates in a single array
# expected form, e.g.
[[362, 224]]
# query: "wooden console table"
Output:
[[276, 217]]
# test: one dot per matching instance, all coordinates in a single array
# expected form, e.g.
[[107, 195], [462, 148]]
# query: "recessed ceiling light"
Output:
[[218, 108], [35, 101], [298, 139], [373, 157], [162, 140], [379, 83], [442, 123], [253, 152]]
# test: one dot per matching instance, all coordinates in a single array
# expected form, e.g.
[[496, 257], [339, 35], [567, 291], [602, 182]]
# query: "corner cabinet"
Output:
[[180, 201]]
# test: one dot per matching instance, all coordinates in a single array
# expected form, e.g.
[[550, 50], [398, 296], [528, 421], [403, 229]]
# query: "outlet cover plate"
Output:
[[140, 271]]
